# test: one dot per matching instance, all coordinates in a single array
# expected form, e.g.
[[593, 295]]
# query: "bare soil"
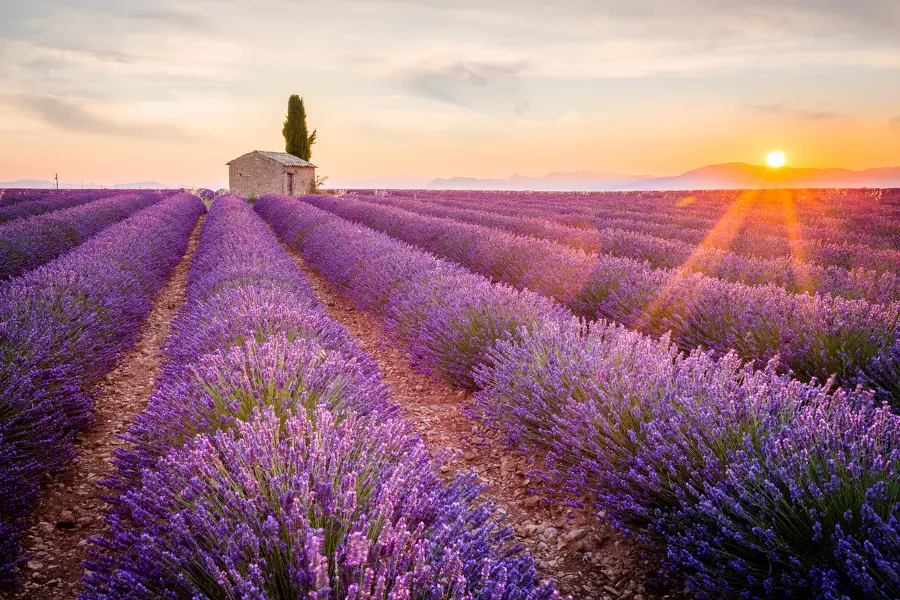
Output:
[[71, 504], [585, 556]]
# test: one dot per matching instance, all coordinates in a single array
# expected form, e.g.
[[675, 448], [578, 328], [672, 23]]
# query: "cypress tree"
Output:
[[297, 139]]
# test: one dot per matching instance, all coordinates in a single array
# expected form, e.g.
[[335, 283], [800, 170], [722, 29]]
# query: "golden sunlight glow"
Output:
[[776, 159]]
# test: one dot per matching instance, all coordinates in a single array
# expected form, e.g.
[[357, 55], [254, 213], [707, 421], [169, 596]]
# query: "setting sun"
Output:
[[776, 159]]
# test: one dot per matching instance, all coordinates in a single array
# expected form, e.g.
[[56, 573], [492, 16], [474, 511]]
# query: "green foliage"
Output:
[[297, 139]]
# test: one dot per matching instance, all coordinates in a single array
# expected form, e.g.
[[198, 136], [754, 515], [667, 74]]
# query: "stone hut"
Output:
[[257, 173]]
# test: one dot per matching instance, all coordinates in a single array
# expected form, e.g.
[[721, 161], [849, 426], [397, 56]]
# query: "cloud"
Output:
[[482, 86], [173, 17], [71, 116], [570, 117], [895, 122], [781, 109]]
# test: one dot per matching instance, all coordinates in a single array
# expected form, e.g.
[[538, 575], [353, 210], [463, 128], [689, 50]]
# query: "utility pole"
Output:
[[56, 177]]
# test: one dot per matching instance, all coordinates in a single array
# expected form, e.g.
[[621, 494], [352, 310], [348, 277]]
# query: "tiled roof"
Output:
[[288, 160]]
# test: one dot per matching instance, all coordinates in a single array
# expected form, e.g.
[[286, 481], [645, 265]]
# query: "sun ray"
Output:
[[720, 236]]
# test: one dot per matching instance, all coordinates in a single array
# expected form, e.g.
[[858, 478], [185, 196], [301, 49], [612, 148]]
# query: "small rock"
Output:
[[34, 565], [576, 534]]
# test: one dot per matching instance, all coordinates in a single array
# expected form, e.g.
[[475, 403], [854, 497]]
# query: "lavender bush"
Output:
[[29, 243], [307, 505], [62, 327], [270, 462], [755, 485]]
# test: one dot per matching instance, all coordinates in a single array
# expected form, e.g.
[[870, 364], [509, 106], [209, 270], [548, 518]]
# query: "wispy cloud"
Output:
[[481, 86], [169, 17], [71, 116], [784, 110]]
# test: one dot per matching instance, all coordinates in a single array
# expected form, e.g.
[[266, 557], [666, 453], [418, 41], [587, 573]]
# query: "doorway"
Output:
[[290, 184]]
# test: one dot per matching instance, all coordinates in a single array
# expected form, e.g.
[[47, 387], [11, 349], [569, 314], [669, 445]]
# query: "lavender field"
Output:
[[412, 394]]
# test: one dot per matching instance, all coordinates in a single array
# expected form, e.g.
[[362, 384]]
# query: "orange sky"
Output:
[[420, 89]]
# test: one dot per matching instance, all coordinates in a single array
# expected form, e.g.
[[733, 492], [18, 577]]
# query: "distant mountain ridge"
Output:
[[734, 175], [745, 176]]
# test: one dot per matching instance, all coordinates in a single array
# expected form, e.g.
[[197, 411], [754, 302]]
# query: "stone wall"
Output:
[[304, 180], [252, 176]]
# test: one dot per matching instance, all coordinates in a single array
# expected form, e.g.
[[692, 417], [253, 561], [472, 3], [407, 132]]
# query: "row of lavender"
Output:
[[62, 327], [50, 203], [811, 205], [871, 242], [794, 275], [271, 463], [814, 336], [751, 484], [29, 243], [8, 196], [812, 214]]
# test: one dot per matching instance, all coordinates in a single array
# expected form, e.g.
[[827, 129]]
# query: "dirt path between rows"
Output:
[[70, 508], [586, 557]]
